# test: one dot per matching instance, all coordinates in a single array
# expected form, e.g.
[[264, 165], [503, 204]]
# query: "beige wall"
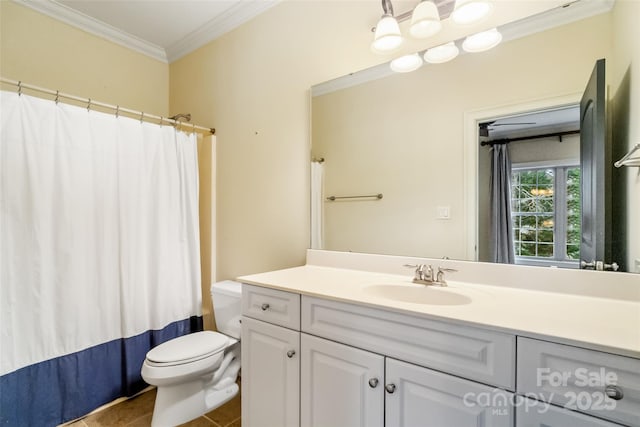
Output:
[[403, 136], [252, 85], [45, 52], [625, 105]]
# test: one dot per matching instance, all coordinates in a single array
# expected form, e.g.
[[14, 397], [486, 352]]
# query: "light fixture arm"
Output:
[[387, 7]]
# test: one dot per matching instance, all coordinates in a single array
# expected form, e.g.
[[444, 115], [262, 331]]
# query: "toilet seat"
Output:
[[187, 349]]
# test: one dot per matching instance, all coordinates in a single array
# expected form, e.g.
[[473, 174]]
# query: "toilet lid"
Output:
[[188, 347]]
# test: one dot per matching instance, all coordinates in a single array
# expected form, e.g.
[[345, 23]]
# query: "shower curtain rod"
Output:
[[116, 108], [524, 138]]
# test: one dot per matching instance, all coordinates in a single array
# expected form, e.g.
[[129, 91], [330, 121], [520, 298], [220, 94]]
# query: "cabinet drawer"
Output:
[[577, 378], [531, 413], [474, 353], [271, 305]]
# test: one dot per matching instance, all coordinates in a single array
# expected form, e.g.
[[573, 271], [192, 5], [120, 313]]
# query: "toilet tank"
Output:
[[227, 309]]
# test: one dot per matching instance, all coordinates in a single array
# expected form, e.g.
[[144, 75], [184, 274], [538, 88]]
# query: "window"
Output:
[[545, 213]]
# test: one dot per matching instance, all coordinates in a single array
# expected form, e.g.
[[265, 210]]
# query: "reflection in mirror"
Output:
[[405, 136], [544, 194]]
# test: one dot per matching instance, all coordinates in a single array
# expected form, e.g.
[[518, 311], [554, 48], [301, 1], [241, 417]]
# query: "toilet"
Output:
[[197, 373]]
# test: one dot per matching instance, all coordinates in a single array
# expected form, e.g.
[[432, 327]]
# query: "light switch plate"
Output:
[[444, 212]]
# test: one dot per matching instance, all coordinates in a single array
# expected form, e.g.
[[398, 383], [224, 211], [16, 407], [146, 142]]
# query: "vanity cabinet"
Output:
[[270, 358], [315, 362]]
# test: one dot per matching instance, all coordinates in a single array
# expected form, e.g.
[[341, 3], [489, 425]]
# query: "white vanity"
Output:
[[348, 340]]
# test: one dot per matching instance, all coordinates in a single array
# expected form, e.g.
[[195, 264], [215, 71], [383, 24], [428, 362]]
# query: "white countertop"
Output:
[[604, 324]]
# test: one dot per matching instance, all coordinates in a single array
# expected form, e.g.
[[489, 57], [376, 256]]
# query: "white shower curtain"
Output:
[[317, 180], [100, 255]]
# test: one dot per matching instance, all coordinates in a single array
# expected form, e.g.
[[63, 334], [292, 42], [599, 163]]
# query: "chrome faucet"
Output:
[[425, 275]]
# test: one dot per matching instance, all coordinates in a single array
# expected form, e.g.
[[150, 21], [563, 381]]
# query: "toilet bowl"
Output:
[[197, 373]]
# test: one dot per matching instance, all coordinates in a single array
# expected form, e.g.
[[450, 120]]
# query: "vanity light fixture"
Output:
[[467, 12], [406, 63], [425, 22], [480, 42], [441, 54]]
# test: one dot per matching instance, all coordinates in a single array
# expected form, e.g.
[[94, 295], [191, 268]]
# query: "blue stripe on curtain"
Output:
[[67, 387]]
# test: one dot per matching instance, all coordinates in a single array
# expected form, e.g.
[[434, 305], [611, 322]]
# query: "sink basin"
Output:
[[418, 294]]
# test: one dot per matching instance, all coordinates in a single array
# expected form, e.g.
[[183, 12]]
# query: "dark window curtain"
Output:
[[500, 215]]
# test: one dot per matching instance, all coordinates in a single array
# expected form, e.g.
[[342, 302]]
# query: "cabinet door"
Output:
[[420, 397], [270, 375], [343, 386]]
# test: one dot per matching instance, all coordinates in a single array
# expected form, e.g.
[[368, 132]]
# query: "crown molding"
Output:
[[235, 16], [227, 21], [93, 26]]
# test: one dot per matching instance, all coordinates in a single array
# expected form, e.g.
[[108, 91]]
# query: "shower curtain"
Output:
[[99, 255], [317, 180]]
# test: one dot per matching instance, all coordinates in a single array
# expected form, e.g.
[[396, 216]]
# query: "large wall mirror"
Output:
[[397, 146]]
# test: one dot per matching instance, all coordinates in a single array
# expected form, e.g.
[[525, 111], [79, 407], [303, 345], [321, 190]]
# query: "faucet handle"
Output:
[[419, 273], [440, 275]]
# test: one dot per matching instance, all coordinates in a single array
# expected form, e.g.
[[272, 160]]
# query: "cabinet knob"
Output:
[[264, 306], [390, 388], [373, 382], [614, 392], [291, 353]]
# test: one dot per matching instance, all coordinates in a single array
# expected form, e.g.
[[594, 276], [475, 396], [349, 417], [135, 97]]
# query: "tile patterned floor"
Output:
[[137, 412]]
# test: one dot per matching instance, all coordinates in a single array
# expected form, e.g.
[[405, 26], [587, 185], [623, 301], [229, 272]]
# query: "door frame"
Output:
[[471, 150]]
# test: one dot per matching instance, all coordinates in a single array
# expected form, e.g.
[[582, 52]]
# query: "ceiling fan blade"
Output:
[[512, 124]]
